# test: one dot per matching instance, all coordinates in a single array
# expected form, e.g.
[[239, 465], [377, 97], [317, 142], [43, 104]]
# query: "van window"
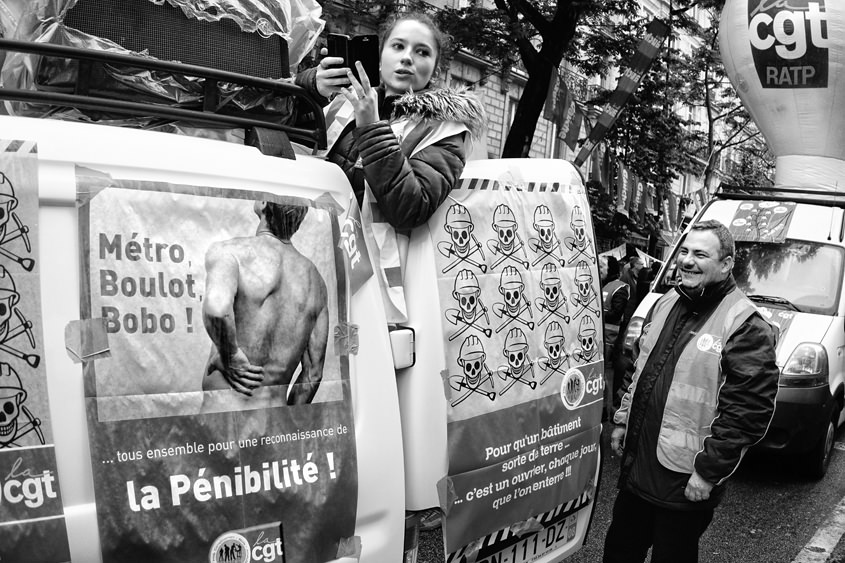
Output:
[[807, 275]]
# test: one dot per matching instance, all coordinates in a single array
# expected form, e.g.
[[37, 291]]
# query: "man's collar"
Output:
[[712, 293]]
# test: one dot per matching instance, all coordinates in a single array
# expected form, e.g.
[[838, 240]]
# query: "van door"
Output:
[[153, 462], [501, 413]]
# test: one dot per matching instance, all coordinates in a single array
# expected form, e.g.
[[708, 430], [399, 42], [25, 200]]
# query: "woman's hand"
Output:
[[331, 75], [363, 96]]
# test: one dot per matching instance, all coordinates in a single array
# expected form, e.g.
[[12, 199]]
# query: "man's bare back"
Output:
[[266, 311]]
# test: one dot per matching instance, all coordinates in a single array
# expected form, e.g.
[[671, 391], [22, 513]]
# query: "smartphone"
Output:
[[362, 48]]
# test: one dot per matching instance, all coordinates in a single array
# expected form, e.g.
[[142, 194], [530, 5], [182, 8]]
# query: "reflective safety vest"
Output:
[[607, 293], [693, 397], [388, 248]]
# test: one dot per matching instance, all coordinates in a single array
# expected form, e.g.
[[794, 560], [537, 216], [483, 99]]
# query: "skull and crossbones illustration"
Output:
[[520, 368], [507, 241], [557, 360], [553, 301], [470, 307], [12, 410], [8, 203], [578, 242], [586, 294], [547, 242], [587, 337], [476, 377], [462, 245], [9, 313], [515, 303]]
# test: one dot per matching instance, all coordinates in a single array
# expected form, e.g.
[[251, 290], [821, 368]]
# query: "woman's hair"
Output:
[[441, 40]]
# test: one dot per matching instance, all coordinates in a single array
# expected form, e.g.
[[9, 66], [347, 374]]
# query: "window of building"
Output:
[[458, 82], [512, 103]]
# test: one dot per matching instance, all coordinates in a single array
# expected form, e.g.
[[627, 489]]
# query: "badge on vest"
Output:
[[709, 343]]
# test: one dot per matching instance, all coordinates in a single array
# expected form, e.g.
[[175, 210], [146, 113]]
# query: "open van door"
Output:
[[155, 458], [501, 413]]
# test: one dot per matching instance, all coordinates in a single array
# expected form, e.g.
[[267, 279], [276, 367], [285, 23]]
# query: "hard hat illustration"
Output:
[[503, 216], [554, 332], [511, 278], [515, 339], [466, 282], [549, 275], [458, 217]]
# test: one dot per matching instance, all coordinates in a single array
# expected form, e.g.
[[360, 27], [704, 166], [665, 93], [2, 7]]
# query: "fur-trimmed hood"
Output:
[[443, 104]]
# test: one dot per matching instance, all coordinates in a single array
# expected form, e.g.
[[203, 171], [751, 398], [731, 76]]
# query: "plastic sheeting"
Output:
[[297, 21]]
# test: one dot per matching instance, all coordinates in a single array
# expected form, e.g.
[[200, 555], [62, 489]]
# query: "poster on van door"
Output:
[[32, 523], [520, 310], [217, 388]]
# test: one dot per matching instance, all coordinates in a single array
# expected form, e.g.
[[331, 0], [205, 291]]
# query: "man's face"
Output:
[[637, 266], [698, 261], [603, 268]]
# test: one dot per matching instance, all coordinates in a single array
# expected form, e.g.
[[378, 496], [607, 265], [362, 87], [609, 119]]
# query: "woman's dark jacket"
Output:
[[408, 190]]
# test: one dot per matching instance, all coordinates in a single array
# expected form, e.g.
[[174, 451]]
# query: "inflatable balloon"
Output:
[[785, 60]]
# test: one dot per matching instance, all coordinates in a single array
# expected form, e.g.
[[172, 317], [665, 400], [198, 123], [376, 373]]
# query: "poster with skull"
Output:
[[32, 524], [518, 283]]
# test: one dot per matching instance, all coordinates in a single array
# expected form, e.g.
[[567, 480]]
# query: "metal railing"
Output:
[[82, 97]]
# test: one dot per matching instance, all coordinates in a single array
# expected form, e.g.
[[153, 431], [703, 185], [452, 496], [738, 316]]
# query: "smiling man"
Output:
[[702, 392]]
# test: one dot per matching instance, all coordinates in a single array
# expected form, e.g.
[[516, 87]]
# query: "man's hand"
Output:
[[240, 374], [697, 488], [616, 439]]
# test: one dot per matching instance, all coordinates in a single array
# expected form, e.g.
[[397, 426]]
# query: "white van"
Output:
[[86, 258], [119, 457], [790, 260]]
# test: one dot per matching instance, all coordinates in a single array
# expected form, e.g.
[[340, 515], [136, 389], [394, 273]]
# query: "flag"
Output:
[[623, 189], [558, 100], [641, 197], [552, 109], [600, 170], [670, 212], [646, 52], [697, 199], [636, 204], [571, 128], [651, 200]]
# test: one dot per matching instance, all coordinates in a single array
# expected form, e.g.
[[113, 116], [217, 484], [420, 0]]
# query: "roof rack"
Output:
[[82, 97], [781, 193]]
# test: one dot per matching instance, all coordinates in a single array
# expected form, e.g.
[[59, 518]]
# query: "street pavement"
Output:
[[769, 515]]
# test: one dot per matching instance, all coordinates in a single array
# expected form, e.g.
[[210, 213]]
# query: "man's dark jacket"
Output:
[[745, 404]]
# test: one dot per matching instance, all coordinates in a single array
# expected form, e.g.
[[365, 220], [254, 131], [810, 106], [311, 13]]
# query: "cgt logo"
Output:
[[575, 386], [230, 547], [258, 544], [789, 42]]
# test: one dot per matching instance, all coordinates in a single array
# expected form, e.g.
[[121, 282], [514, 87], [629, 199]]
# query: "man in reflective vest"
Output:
[[702, 392], [615, 295]]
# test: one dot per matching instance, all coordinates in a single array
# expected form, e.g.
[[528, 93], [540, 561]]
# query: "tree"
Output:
[[538, 35], [728, 124], [756, 166]]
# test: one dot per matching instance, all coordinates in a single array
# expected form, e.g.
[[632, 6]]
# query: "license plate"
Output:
[[535, 546]]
